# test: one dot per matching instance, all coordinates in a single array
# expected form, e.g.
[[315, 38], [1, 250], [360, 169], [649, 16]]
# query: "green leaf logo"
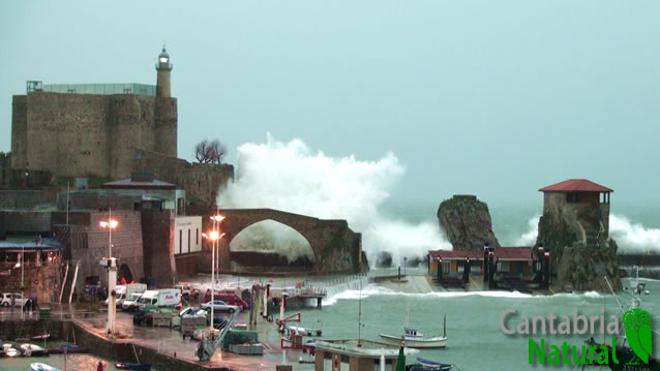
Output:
[[639, 332]]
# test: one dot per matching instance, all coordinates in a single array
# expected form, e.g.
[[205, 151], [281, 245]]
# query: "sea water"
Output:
[[476, 340]]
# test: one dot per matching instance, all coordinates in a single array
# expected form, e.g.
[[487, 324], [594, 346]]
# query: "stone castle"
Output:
[[105, 131]]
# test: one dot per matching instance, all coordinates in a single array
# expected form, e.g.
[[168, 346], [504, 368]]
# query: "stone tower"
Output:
[[574, 228], [164, 68]]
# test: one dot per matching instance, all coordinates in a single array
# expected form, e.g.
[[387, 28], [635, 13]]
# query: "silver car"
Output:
[[220, 307]]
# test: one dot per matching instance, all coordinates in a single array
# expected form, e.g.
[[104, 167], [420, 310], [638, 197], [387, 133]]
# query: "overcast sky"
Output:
[[496, 98]]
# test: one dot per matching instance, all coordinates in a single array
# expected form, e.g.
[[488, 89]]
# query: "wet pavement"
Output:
[[169, 341]]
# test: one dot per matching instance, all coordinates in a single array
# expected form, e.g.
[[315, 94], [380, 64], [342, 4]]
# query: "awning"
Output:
[[40, 244]]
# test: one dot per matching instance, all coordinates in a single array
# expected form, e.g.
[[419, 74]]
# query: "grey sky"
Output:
[[496, 98]]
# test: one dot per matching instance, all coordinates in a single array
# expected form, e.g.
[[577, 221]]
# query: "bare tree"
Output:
[[210, 151]]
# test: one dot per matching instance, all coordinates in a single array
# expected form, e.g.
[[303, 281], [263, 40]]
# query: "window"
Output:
[[197, 236], [180, 240], [572, 197], [503, 266], [188, 240]]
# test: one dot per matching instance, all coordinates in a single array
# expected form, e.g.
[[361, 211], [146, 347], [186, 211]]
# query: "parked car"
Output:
[[229, 297], [192, 311], [6, 299], [220, 307]]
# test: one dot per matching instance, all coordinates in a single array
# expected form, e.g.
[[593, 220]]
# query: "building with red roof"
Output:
[[586, 199], [510, 260]]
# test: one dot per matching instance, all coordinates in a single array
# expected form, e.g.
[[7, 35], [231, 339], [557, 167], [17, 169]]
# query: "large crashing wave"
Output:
[[292, 177]]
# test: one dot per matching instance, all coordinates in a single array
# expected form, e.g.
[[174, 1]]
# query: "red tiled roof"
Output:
[[504, 253], [456, 254], [514, 253], [576, 185]]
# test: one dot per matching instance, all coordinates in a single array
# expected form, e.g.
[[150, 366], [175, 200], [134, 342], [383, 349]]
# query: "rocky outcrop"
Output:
[[466, 222], [582, 254]]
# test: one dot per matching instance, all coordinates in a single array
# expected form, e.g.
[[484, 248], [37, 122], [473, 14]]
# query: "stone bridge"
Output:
[[337, 249]]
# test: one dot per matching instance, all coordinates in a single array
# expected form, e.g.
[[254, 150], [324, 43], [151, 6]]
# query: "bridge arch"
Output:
[[270, 237]]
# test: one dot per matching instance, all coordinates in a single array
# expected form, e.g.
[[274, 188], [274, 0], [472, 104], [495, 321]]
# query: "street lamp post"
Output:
[[111, 266], [214, 235]]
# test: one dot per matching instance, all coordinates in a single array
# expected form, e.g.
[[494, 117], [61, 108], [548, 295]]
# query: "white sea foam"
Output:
[[529, 237], [631, 237], [292, 177], [634, 237], [375, 290]]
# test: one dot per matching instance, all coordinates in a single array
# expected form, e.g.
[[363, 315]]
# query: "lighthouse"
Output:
[[164, 69]]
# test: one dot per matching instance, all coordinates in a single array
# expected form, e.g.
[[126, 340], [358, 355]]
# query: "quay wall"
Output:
[[120, 351], [43, 281]]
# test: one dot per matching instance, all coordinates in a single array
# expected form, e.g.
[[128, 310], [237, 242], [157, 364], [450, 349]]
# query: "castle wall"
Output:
[[90, 135], [19, 132], [158, 232], [202, 182], [166, 126], [67, 133]]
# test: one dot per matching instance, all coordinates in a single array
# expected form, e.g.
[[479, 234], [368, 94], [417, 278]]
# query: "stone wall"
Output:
[[43, 281], [201, 182], [89, 244], [26, 222], [28, 198], [89, 135], [19, 132], [158, 234], [5, 168]]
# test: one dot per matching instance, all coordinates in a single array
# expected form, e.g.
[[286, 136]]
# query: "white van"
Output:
[[124, 291], [160, 298], [131, 301]]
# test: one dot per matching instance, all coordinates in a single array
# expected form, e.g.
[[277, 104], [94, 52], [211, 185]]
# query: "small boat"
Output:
[[133, 366], [38, 366], [10, 351], [32, 350], [430, 365], [415, 339]]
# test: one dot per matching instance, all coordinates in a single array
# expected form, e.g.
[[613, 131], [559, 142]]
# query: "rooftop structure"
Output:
[[576, 185], [139, 181], [356, 355], [93, 89], [503, 253]]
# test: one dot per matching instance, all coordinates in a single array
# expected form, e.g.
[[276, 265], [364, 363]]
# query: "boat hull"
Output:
[[37, 366], [438, 342]]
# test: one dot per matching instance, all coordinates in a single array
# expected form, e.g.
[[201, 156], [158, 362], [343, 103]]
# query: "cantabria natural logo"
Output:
[[639, 332], [546, 346]]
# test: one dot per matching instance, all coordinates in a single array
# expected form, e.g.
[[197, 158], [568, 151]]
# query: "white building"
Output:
[[187, 234]]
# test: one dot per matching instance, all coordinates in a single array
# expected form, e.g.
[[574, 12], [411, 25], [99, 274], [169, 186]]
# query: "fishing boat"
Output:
[[38, 366], [133, 366], [415, 339], [32, 350]]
